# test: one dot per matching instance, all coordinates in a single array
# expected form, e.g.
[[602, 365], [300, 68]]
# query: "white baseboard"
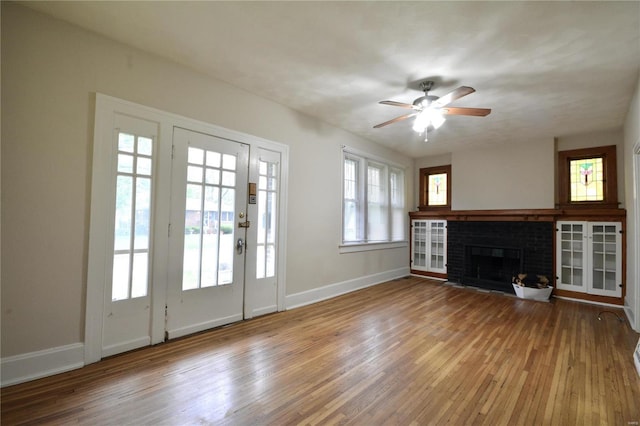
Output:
[[636, 357], [265, 311], [196, 328], [126, 346], [631, 317], [590, 302], [35, 365], [304, 298]]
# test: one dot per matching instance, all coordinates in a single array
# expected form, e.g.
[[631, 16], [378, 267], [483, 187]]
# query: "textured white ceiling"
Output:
[[546, 69]]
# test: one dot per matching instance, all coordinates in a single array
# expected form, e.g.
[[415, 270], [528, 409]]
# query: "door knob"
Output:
[[239, 245]]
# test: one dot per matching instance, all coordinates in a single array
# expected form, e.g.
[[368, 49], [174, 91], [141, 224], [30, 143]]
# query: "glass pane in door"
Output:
[[604, 261], [437, 245], [571, 255], [419, 243], [209, 218], [266, 233]]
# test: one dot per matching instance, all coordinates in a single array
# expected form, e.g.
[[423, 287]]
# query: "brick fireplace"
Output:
[[487, 254]]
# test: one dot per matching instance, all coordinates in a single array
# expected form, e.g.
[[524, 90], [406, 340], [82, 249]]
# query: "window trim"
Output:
[[610, 184], [423, 198], [362, 244], [357, 247]]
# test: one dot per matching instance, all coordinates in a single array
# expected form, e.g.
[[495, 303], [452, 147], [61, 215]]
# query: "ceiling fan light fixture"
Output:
[[436, 118], [429, 116], [421, 122]]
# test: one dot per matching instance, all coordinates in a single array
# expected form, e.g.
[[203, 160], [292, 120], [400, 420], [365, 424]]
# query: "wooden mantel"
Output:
[[523, 215]]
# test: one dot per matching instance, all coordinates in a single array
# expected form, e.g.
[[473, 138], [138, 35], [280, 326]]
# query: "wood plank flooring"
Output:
[[409, 352]]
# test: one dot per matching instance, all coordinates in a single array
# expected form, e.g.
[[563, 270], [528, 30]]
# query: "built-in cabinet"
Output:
[[429, 246], [589, 257]]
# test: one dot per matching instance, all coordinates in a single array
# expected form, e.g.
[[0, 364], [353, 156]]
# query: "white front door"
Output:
[[207, 240]]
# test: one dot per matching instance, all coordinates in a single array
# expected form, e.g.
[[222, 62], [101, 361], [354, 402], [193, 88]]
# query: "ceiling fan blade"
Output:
[[394, 120], [398, 104], [476, 112], [452, 96]]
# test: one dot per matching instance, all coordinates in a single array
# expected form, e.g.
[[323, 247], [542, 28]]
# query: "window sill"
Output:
[[356, 247]]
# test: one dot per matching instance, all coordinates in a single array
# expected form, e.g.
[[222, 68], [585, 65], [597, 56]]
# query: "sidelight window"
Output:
[[132, 217], [267, 215]]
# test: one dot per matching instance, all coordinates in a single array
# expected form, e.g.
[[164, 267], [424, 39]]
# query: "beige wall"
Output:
[[493, 178], [50, 71], [517, 176]]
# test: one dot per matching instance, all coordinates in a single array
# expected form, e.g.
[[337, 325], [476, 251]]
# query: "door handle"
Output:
[[240, 245]]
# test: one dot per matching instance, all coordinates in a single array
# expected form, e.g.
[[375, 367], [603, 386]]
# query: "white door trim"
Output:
[[635, 304], [105, 108]]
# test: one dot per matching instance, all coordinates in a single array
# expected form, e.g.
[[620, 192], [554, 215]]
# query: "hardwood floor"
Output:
[[410, 351]]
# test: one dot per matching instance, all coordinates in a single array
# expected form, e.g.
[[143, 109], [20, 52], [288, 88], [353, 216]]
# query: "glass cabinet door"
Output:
[[429, 245], [571, 255], [437, 243], [589, 257], [419, 248], [605, 259]]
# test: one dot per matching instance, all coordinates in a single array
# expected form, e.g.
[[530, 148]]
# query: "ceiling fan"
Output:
[[430, 110]]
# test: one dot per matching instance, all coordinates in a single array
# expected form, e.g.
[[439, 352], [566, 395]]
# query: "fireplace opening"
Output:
[[492, 268]]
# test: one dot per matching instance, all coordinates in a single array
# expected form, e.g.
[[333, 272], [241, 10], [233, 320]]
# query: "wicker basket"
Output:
[[532, 293]]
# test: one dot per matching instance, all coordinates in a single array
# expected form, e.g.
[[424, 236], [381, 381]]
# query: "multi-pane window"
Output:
[[398, 214], [435, 188], [267, 202], [351, 228], [377, 203], [209, 219], [132, 217], [373, 202], [587, 179]]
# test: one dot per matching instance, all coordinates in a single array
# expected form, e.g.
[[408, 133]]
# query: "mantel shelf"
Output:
[[522, 215]]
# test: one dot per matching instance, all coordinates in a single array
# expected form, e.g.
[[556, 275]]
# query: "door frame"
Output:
[[105, 109], [634, 303]]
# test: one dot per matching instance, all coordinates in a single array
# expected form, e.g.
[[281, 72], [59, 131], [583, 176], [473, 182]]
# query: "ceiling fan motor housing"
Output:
[[426, 85], [425, 101]]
